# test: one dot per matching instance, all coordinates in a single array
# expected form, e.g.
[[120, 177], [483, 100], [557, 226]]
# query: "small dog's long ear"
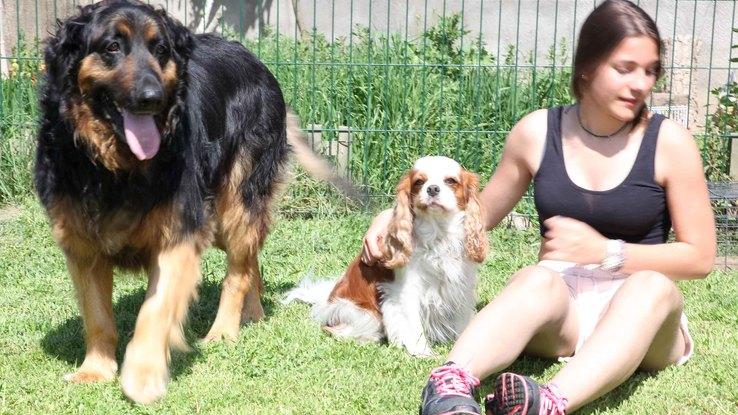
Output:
[[399, 244], [476, 243]]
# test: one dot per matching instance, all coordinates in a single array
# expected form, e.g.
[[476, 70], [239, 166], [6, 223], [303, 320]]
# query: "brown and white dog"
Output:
[[424, 291]]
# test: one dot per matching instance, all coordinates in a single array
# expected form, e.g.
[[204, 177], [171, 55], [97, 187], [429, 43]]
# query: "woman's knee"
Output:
[[539, 283], [654, 289], [537, 277]]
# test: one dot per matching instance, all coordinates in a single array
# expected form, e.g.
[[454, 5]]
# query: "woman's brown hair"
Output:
[[602, 31]]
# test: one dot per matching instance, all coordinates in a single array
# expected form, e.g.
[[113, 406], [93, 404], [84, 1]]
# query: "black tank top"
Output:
[[634, 211]]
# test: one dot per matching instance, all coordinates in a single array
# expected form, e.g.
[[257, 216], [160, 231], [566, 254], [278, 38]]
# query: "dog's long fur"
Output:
[[225, 138], [423, 292]]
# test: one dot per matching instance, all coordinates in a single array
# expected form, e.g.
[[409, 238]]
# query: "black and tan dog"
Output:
[[153, 143]]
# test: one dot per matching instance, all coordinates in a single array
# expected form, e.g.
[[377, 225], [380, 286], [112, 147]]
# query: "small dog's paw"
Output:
[[422, 353], [144, 377], [420, 349]]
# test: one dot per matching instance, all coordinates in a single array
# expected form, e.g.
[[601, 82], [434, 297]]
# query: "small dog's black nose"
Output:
[[433, 190]]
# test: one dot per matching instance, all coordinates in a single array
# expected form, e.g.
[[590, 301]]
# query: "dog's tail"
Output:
[[310, 291], [340, 318], [316, 165]]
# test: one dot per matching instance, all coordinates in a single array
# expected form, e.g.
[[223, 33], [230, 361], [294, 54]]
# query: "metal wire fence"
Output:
[[379, 83]]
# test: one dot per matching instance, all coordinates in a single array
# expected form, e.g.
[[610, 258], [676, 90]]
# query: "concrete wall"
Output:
[[697, 33]]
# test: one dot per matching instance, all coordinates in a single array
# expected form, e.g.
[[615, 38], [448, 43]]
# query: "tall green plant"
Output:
[[721, 128], [18, 113], [440, 93]]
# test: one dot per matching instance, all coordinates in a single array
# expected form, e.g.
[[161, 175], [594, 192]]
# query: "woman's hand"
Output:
[[374, 238], [571, 240]]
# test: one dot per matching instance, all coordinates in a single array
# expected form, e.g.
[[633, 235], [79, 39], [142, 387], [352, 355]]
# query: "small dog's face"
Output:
[[439, 185], [435, 188]]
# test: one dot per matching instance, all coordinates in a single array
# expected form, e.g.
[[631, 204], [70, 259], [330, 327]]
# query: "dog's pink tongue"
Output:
[[142, 135]]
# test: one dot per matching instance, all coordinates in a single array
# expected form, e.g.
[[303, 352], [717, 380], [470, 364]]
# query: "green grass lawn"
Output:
[[285, 364]]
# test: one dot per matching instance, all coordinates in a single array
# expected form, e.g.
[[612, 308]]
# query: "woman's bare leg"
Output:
[[533, 312], [639, 328]]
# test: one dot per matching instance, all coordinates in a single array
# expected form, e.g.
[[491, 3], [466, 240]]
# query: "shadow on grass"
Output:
[[613, 399], [66, 341]]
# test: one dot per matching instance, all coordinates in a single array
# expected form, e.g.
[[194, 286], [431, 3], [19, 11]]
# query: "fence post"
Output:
[[3, 54], [733, 156], [338, 148]]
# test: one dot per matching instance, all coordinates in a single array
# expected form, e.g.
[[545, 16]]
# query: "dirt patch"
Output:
[[9, 213]]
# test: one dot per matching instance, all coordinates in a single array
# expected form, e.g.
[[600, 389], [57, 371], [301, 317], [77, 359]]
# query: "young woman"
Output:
[[610, 180]]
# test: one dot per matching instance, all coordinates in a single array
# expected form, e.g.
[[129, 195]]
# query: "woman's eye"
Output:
[[113, 47]]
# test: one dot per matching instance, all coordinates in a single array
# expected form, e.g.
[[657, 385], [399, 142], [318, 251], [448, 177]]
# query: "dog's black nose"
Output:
[[433, 190], [149, 97]]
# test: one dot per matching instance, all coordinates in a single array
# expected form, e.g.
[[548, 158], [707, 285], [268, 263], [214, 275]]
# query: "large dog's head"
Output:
[[117, 69]]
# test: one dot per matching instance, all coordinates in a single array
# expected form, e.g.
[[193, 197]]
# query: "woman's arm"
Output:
[[679, 169], [520, 159]]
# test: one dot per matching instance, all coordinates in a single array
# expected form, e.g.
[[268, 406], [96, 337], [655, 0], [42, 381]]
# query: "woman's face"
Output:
[[621, 84]]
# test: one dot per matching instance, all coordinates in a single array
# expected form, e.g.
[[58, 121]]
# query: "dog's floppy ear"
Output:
[[476, 243], [180, 37], [65, 49], [399, 243]]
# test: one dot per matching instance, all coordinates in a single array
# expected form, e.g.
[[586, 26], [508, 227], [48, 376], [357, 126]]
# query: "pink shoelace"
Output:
[[453, 380], [552, 401]]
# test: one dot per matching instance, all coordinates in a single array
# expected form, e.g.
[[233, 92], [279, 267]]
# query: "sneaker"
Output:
[[450, 390], [521, 395]]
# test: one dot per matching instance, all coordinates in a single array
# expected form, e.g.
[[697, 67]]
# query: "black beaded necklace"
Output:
[[606, 136]]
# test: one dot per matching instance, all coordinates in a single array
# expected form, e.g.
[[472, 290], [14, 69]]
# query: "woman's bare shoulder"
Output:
[[527, 138]]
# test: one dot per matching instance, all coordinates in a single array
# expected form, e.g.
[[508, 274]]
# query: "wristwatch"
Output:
[[614, 255]]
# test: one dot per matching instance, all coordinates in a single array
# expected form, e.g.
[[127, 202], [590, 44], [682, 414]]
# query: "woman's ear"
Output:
[[399, 244], [476, 243]]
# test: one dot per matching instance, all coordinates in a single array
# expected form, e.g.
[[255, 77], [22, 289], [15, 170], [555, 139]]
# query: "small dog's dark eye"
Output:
[[418, 182], [113, 47], [450, 181], [161, 49]]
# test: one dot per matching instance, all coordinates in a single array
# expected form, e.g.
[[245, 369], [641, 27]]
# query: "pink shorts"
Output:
[[592, 288]]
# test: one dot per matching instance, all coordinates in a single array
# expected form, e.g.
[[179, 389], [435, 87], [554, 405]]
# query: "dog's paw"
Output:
[[97, 370], [220, 331], [252, 310], [144, 376], [94, 369], [420, 348], [216, 336], [422, 352]]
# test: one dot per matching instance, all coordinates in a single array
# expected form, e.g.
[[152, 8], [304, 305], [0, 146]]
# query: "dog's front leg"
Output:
[[93, 283], [173, 278], [404, 327]]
